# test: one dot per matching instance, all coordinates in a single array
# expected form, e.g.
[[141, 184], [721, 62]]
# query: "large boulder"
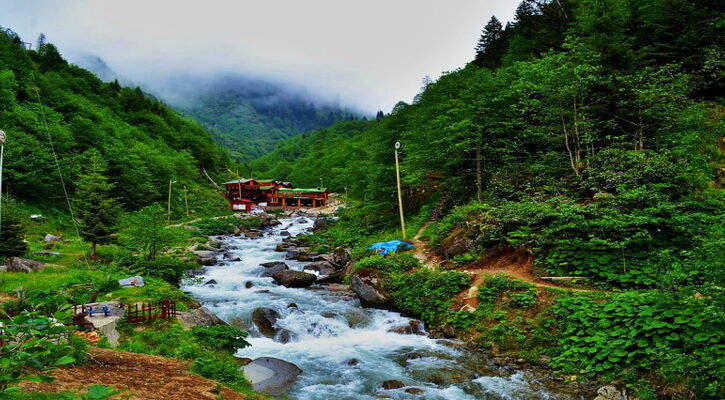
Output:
[[292, 278], [341, 255], [17, 264], [264, 319], [367, 285], [457, 243], [200, 316], [322, 267], [271, 376], [272, 268]]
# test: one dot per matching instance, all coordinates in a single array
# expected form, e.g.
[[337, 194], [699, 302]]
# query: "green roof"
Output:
[[264, 180], [266, 187], [315, 190]]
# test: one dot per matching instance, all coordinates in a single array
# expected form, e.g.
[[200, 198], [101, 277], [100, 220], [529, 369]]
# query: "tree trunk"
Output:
[[479, 180], [94, 254]]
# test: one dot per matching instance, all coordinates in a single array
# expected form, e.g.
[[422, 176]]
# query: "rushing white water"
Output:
[[345, 351]]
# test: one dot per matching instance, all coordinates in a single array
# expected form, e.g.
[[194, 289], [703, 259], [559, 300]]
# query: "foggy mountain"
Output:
[[249, 116], [246, 115]]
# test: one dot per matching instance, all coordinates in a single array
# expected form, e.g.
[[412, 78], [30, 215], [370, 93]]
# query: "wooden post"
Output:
[[400, 193], [186, 200]]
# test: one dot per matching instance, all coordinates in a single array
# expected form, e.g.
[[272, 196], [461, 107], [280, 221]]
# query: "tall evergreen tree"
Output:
[[491, 45], [12, 234], [96, 210]]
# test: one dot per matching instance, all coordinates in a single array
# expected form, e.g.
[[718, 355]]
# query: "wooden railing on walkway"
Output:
[[165, 310]]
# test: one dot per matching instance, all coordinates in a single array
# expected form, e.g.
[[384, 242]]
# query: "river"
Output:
[[345, 350]]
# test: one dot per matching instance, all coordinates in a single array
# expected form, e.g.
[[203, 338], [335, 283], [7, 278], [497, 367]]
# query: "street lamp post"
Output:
[[168, 207], [400, 193]]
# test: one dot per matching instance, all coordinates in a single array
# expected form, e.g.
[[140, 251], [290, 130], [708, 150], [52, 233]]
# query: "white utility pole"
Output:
[[2, 151], [168, 207], [400, 193]]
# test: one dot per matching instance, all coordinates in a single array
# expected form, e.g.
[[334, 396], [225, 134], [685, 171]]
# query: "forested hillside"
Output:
[[587, 134], [144, 143], [249, 117]]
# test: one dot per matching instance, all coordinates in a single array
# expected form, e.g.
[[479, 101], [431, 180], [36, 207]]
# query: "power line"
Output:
[[57, 165]]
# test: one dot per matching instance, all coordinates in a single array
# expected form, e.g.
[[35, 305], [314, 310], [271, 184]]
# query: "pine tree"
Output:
[[40, 43], [96, 210], [12, 234], [380, 115], [491, 45]]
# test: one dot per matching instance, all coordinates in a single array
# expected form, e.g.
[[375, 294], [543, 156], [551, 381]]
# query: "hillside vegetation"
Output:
[[587, 134], [250, 117], [144, 143]]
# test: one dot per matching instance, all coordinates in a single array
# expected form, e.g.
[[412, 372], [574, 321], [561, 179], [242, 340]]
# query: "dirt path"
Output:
[[139, 375], [420, 250]]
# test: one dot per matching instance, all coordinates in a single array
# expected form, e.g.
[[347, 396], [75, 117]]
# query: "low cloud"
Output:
[[365, 54]]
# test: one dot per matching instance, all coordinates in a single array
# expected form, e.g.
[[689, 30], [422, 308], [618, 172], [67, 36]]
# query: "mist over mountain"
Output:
[[249, 116], [246, 115]]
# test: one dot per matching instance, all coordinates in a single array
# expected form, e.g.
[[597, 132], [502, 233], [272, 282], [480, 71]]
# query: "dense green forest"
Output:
[[588, 134], [250, 117], [144, 143]]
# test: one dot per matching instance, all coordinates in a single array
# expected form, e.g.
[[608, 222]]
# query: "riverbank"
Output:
[[345, 350]]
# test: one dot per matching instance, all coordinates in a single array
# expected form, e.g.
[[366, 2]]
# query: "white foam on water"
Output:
[[345, 351]]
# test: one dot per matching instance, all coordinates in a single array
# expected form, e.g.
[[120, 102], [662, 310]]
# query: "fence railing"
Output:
[[165, 310], [138, 312]]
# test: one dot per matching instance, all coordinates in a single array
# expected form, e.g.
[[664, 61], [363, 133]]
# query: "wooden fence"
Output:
[[165, 310], [139, 312]]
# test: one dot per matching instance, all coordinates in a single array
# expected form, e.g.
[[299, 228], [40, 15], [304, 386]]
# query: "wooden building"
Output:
[[244, 194]]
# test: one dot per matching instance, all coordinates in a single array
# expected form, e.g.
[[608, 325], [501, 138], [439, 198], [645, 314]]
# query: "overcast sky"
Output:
[[369, 54]]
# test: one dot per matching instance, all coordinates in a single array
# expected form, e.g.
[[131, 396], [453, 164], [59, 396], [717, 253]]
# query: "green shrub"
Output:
[[34, 345], [493, 286], [682, 338], [218, 226], [426, 293], [392, 263], [170, 269], [525, 299], [221, 370], [221, 337]]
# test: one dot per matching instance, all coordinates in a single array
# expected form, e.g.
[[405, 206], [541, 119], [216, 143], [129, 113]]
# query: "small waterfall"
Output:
[[345, 351]]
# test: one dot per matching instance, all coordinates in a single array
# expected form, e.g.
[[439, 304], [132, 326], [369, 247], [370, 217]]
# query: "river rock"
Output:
[[284, 233], [414, 390], [271, 375], [357, 319], [264, 319], [366, 284], [333, 278], [295, 279], [609, 393], [50, 238], [253, 234], [341, 255], [392, 384], [322, 267], [17, 264], [413, 327], [319, 224], [231, 257], [46, 253], [248, 284], [272, 268], [200, 316], [210, 282]]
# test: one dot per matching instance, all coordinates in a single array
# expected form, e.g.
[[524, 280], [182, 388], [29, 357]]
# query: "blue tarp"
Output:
[[389, 247]]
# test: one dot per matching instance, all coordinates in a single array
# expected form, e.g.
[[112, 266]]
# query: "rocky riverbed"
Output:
[[291, 301]]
